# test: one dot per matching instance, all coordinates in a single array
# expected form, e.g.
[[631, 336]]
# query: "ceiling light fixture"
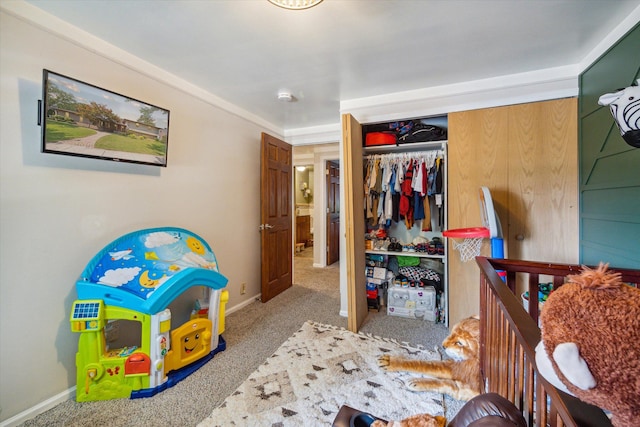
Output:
[[301, 168], [295, 4]]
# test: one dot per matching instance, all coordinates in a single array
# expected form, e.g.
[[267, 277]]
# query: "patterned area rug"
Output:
[[317, 370]]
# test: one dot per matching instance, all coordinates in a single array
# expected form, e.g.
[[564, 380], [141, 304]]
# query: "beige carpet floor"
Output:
[[253, 334]]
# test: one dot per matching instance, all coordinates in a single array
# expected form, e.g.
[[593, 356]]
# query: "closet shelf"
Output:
[[401, 148], [405, 253]]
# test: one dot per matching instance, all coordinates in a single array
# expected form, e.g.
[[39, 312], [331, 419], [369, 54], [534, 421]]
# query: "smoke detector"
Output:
[[285, 97]]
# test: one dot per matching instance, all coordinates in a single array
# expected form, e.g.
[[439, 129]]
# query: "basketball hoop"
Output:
[[471, 243], [472, 237]]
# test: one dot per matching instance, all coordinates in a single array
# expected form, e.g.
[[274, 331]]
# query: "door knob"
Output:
[[519, 237], [265, 226]]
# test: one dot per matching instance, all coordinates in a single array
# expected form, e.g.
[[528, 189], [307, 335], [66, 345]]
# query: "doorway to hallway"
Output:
[[316, 200]]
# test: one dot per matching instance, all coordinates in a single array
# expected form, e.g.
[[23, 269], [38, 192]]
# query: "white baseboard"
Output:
[[240, 306], [38, 409], [44, 406]]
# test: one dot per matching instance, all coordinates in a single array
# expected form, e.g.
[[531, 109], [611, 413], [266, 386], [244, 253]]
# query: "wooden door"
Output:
[[527, 155], [543, 181], [476, 157], [354, 218], [333, 212], [276, 223], [303, 229]]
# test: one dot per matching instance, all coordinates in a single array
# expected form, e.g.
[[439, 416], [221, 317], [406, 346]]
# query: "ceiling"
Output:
[[246, 51]]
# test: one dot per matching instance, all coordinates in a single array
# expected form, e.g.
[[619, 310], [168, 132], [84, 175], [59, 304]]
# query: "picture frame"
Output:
[[83, 120]]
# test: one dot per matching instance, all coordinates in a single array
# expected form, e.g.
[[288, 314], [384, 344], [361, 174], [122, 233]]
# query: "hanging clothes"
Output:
[[439, 195], [406, 190], [403, 187], [419, 191], [426, 222], [386, 211]]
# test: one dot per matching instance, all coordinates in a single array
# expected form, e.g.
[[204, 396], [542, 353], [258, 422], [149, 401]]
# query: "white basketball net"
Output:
[[469, 248]]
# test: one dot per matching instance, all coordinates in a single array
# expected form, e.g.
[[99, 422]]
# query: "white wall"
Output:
[[56, 212]]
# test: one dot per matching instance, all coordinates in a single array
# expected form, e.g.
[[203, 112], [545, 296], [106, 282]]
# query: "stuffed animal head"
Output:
[[463, 341], [591, 342], [625, 108]]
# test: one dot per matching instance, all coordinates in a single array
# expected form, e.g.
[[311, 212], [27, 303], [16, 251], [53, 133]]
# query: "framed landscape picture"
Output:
[[80, 119]]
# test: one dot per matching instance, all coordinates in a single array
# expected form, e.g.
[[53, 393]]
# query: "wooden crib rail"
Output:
[[508, 337], [533, 270]]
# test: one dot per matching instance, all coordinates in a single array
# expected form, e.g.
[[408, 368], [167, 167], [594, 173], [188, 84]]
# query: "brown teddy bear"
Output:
[[591, 342]]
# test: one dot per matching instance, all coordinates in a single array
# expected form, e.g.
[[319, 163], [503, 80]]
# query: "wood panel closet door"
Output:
[[527, 156], [477, 157], [354, 222], [543, 181]]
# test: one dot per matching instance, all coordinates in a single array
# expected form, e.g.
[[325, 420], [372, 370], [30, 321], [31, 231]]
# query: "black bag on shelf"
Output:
[[434, 280], [423, 133]]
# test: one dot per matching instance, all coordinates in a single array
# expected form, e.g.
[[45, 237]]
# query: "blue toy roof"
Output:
[[147, 269]]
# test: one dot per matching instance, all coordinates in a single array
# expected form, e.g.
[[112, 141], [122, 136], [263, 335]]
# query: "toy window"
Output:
[[122, 337]]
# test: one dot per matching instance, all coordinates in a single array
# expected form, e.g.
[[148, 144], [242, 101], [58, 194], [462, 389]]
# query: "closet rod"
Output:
[[407, 155]]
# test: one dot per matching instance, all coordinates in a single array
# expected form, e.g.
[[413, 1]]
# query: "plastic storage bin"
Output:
[[414, 303]]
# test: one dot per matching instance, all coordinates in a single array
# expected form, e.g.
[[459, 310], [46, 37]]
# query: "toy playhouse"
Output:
[[127, 346]]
